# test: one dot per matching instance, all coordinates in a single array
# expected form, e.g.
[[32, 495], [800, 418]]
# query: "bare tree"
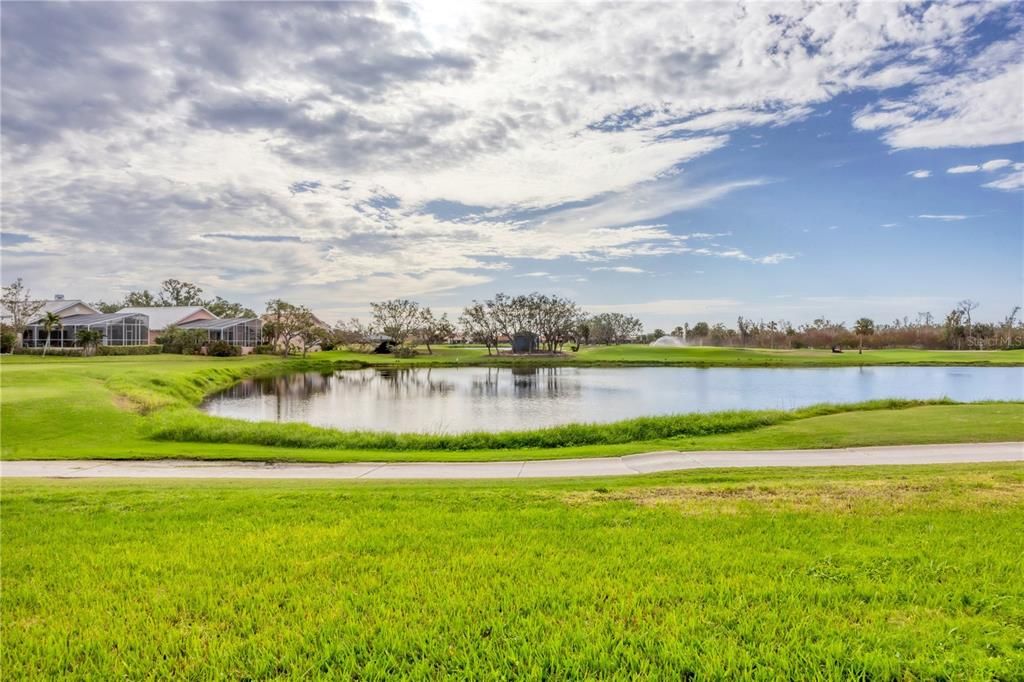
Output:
[[1007, 325], [433, 330], [966, 307], [479, 326], [20, 306], [353, 335], [398, 319]]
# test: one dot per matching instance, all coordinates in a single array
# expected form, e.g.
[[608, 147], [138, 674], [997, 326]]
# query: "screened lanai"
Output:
[[239, 331], [118, 329]]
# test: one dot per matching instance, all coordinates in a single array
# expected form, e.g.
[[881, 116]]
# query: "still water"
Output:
[[453, 400]]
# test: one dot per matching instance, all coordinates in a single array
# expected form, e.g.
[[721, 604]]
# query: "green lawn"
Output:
[[112, 407], [881, 573]]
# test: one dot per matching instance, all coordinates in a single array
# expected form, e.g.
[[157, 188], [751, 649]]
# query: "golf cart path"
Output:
[[630, 465]]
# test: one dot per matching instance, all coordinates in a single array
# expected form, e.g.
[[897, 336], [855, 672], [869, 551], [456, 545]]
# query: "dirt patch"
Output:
[[836, 497]]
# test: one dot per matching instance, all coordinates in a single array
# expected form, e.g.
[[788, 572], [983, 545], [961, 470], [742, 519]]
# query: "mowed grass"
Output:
[[881, 573], [124, 407]]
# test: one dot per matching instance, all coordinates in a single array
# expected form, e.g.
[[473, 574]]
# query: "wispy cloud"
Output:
[[920, 174], [943, 217], [619, 268]]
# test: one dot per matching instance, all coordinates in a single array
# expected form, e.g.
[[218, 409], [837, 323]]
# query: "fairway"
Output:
[[885, 573]]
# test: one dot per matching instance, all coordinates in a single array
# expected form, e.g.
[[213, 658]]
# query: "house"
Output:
[[244, 332], [118, 329], [162, 317]]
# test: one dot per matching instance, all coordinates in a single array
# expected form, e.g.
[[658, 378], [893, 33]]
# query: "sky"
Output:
[[678, 162]]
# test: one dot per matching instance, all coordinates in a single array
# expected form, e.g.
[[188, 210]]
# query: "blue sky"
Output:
[[682, 162]]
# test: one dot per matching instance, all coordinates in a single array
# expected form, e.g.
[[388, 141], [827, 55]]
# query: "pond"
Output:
[[455, 400]]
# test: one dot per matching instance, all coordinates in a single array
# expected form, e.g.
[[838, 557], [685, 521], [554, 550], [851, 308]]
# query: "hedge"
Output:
[[56, 352], [153, 349], [101, 350]]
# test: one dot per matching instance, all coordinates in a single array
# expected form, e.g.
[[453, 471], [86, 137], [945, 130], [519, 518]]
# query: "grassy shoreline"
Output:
[[145, 407]]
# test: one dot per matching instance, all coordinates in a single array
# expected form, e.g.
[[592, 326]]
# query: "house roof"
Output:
[[162, 317], [56, 306], [98, 318], [218, 323]]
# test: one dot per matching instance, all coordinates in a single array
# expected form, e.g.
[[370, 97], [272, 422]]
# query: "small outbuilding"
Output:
[[525, 342]]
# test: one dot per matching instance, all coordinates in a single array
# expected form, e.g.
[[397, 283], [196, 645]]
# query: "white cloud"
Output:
[[620, 268], [920, 174], [1012, 181], [964, 169], [303, 150], [995, 164], [980, 106], [890, 224], [943, 217]]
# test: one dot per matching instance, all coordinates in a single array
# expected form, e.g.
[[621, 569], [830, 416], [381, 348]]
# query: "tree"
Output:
[[105, 307], [50, 322], [434, 330], [176, 292], [966, 307], [1008, 324], [354, 336], [700, 331], [954, 329], [20, 306], [609, 328], [140, 299], [863, 327], [479, 326], [397, 319], [224, 308], [310, 333], [286, 323], [89, 340]]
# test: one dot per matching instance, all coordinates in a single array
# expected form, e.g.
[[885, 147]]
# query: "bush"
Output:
[[183, 341], [222, 349], [404, 352], [264, 349], [55, 352], [153, 349], [7, 340]]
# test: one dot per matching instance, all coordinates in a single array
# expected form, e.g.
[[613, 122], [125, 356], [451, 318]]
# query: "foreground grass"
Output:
[[887, 573], [144, 408]]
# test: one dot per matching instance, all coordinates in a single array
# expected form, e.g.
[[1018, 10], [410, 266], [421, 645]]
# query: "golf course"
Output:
[[712, 574]]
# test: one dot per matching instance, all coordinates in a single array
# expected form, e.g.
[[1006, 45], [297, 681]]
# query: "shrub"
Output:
[[56, 352], [222, 349], [183, 341], [151, 349], [7, 340], [265, 349], [404, 352]]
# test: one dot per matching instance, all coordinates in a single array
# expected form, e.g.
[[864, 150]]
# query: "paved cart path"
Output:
[[550, 468]]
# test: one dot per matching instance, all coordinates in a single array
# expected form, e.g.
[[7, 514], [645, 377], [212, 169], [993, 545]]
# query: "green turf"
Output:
[[70, 408], [899, 573]]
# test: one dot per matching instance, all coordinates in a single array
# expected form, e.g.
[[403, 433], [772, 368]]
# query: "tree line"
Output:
[[957, 330]]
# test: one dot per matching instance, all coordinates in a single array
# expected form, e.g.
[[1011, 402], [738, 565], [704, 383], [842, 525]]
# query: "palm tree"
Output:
[[863, 327], [50, 322], [89, 339]]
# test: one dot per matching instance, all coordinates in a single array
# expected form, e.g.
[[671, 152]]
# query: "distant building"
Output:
[[243, 332], [118, 329], [525, 342]]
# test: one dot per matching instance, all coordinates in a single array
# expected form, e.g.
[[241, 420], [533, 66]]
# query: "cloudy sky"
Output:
[[681, 162]]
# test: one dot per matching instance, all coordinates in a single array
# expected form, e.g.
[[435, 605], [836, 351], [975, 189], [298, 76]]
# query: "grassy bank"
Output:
[[886, 573], [144, 407], [195, 427]]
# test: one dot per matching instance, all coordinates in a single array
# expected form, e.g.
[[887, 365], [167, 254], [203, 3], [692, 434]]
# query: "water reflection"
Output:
[[502, 398]]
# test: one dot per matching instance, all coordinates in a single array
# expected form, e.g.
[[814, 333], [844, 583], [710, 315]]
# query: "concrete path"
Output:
[[550, 468]]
